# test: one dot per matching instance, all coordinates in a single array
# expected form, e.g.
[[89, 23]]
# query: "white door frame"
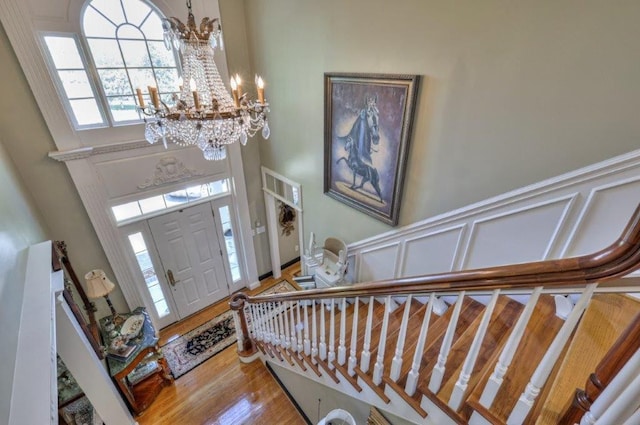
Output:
[[289, 188]]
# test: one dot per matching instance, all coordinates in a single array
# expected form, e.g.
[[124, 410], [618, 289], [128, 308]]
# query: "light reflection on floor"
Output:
[[236, 414]]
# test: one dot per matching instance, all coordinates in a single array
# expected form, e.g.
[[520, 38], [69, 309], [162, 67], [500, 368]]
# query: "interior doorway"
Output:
[[192, 257], [279, 190]]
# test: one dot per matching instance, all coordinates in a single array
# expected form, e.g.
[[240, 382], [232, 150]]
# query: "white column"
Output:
[[354, 340], [470, 361], [342, 349], [396, 363], [314, 334], [414, 373], [378, 368], [276, 326], [438, 370], [332, 335], [287, 334], [294, 341], [540, 375], [365, 357], [323, 342], [307, 341], [617, 385], [495, 381], [299, 327]]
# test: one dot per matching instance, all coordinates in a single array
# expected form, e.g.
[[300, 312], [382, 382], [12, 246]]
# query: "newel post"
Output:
[[617, 356], [246, 348]]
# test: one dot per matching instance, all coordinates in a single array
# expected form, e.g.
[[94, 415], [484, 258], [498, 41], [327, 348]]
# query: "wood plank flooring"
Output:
[[222, 390]]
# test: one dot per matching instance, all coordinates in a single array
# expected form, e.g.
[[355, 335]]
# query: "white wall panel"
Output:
[[612, 204], [378, 263], [515, 237], [431, 253]]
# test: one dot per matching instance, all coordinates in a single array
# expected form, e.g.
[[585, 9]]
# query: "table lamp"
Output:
[[98, 285]]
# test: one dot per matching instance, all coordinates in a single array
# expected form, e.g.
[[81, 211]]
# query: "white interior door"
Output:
[[188, 246]]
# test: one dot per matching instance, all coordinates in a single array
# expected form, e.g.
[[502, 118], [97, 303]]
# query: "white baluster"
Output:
[[414, 373], [633, 419], [495, 381], [396, 363], [624, 406], [281, 316], [294, 341], [378, 368], [613, 390], [314, 334], [438, 370], [258, 308], [255, 326], [342, 349], [540, 375], [365, 357], [239, 335], [470, 361], [299, 327], [267, 318], [276, 327], [323, 336], [354, 340], [307, 341], [287, 334], [332, 336]]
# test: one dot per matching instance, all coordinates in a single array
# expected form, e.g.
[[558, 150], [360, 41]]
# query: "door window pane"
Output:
[[230, 243], [149, 274]]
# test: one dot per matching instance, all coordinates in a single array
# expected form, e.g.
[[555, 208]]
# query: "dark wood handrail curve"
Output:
[[617, 260], [617, 356]]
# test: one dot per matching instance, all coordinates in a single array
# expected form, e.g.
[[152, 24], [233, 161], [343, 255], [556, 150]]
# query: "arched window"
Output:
[[125, 38]]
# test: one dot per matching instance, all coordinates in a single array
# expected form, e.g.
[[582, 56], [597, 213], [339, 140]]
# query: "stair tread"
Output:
[[605, 319], [539, 333], [504, 316]]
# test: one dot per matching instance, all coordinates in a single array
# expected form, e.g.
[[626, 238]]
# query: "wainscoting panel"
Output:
[[379, 262], [517, 236], [431, 253], [573, 214]]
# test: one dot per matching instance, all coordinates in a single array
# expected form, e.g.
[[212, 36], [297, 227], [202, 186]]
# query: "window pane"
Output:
[[106, 53], [137, 243], [162, 308], [136, 11], [160, 56], [75, 83], [96, 25], [148, 272], [115, 82], [150, 205], [230, 243], [135, 53], [123, 108], [142, 78], [129, 31], [167, 80], [86, 111], [176, 198], [112, 9], [123, 212], [64, 52], [152, 28], [218, 187]]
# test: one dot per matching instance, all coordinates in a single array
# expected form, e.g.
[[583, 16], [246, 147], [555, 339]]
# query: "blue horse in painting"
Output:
[[360, 142]]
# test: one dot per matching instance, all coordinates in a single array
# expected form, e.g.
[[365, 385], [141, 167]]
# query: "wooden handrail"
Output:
[[617, 356], [618, 259]]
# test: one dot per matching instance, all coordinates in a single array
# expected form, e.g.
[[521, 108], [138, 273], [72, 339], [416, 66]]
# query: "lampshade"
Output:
[[98, 285]]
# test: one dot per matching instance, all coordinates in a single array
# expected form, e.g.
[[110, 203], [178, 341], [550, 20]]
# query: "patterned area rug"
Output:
[[200, 344]]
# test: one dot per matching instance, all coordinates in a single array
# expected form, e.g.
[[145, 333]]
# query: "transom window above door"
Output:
[[126, 51]]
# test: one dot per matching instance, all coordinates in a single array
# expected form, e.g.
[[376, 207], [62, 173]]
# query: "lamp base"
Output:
[[117, 319]]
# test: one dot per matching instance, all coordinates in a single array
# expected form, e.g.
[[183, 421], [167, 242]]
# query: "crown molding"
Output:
[[86, 152]]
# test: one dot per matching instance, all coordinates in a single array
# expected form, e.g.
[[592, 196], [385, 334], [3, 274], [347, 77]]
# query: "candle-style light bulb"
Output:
[[260, 85], [194, 92], [239, 84], [234, 92]]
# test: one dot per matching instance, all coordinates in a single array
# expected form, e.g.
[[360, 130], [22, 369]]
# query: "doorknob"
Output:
[[172, 281]]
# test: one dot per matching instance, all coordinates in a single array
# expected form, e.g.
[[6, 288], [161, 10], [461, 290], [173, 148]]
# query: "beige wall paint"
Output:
[[512, 92], [27, 142], [19, 228]]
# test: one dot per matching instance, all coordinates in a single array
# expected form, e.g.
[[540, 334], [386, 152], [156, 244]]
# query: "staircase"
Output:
[[502, 345]]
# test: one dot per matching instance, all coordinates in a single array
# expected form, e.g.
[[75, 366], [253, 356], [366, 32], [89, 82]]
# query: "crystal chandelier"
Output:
[[204, 113]]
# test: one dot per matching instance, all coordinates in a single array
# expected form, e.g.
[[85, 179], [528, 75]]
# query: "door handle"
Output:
[[172, 281]]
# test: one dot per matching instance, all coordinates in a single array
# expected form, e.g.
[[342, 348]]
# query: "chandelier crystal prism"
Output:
[[204, 113]]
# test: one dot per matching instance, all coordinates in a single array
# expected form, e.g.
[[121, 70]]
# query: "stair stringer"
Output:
[[397, 406]]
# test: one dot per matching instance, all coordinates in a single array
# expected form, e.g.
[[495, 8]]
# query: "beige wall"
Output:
[[512, 93], [27, 141], [19, 228]]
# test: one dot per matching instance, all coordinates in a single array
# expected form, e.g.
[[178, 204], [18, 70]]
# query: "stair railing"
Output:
[[259, 319]]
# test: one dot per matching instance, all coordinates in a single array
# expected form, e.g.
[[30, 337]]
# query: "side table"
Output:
[[144, 372]]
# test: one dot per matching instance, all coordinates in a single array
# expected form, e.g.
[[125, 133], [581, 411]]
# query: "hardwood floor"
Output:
[[222, 390]]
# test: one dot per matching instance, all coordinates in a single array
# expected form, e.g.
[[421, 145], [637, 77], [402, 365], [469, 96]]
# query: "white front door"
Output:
[[191, 256]]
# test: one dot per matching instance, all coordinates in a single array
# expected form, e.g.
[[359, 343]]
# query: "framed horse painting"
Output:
[[368, 120]]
